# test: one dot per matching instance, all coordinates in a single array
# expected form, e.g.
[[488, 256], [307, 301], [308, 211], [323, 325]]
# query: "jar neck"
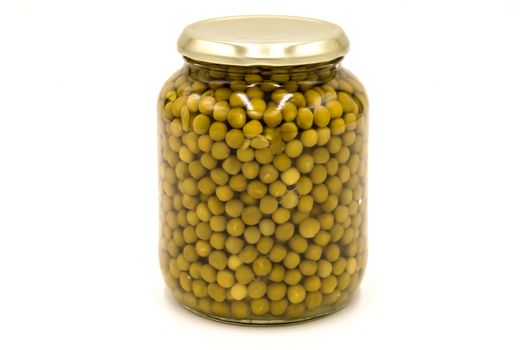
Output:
[[316, 73]]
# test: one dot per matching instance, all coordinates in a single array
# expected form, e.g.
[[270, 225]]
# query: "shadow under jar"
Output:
[[263, 171]]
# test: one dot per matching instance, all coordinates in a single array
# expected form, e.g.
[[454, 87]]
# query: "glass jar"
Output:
[[263, 171]]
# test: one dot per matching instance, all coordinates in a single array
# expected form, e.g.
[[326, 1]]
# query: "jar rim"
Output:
[[263, 40]]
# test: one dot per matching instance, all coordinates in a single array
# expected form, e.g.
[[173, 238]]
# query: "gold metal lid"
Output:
[[263, 40]]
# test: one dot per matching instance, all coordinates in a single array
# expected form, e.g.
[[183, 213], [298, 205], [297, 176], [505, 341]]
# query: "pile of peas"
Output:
[[263, 189]]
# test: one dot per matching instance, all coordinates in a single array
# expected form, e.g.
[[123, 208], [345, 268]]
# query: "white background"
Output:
[[78, 202]]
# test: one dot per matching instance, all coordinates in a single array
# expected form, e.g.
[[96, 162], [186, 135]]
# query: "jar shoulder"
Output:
[[259, 91]]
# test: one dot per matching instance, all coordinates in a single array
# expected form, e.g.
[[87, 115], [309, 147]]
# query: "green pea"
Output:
[[305, 118], [244, 275], [278, 308], [267, 226], [344, 281], [202, 212], [285, 231], [208, 273], [225, 278], [304, 163], [222, 94], [203, 248], [251, 215], [206, 105], [330, 204], [253, 78], [322, 238], [322, 116], [259, 142], [177, 105], [309, 138], [255, 92], [308, 267], [259, 306], [257, 289], [232, 165], [326, 220], [277, 274], [292, 260], [288, 131], [237, 117], [312, 283], [289, 111], [294, 148], [235, 227], [277, 189], [245, 155], [199, 288], [235, 138], [281, 215], [252, 128], [328, 284], [339, 266], [208, 161], [185, 281], [347, 102], [278, 95], [189, 234], [217, 259], [341, 213], [324, 268], [290, 176], [331, 252], [219, 176], [318, 174], [221, 111], [262, 266], [238, 85], [313, 300], [216, 292], [252, 234], [309, 228], [192, 102], [257, 189], [268, 174], [276, 291], [238, 99], [304, 185], [196, 170], [248, 254], [219, 308], [335, 108], [220, 150], [256, 108], [250, 170], [277, 253], [272, 116], [218, 131], [337, 126], [247, 199], [264, 245], [289, 200], [298, 244], [313, 98], [224, 193], [296, 294], [239, 292], [263, 156]]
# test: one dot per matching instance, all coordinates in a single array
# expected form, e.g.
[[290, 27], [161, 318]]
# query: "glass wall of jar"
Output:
[[263, 189]]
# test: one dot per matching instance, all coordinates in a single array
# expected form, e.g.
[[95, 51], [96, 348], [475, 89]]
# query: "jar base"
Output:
[[269, 322]]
